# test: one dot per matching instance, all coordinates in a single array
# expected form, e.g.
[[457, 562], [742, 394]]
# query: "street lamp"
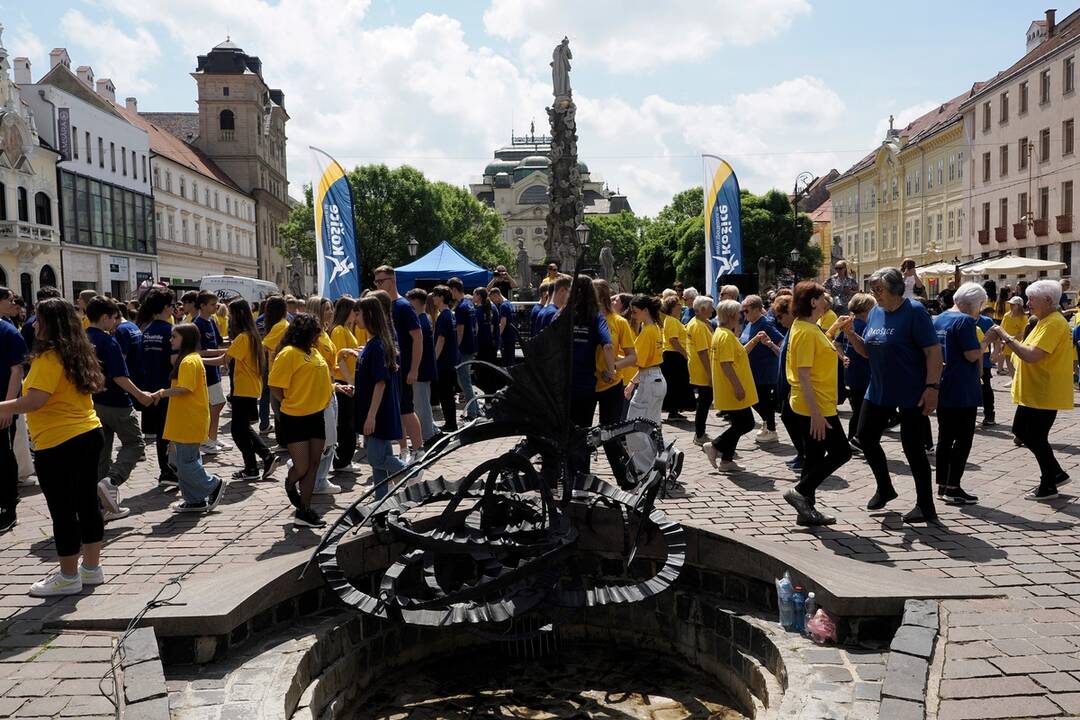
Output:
[[413, 246], [795, 255], [582, 235]]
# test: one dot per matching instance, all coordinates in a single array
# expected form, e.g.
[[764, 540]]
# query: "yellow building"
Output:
[[906, 198]]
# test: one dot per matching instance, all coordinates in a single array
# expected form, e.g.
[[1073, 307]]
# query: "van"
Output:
[[230, 287]]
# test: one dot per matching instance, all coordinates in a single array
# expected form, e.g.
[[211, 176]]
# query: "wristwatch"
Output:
[[932, 386]]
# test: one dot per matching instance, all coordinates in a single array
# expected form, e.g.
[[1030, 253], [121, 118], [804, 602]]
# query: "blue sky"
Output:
[[776, 86]]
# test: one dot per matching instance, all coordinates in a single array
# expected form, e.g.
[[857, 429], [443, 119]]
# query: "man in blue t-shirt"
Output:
[[12, 354], [465, 317], [206, 304], [156, 366], [113, 407], [411, 345], [445, 352], [426, 375], [507, 327]]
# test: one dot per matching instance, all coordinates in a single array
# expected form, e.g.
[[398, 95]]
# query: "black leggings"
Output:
[[873, 419], [987, 393], [766, 405], [9, 469], [823, 457], [582, 409], [346, 431], [245, 411], [742, 422], [855, 399], [612, 404], [1032, 427], [701, 413], [153, 422], [956, 429], [788, 417], [68, 477], [446, 389], [677, 373]]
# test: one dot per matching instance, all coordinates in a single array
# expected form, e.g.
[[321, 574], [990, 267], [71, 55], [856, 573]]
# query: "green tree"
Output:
[[621, 232], [297, 234], [471, 226], [768, 231]]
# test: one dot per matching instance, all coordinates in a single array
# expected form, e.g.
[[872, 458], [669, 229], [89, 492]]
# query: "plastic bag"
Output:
[[822, 627]]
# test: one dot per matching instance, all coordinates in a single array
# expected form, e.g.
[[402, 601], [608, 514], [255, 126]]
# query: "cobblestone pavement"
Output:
[[1018, 656]]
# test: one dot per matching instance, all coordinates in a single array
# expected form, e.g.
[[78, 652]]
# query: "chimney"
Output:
[[1050, 22], [132, 105], [22, 71], [59, 56], [106, 89], [86, 74]]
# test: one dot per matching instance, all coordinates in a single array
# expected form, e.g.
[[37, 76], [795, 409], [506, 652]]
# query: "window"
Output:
[[1022, 153], [986, 116], [225, 91], [1022, 207], [1067, 198], [217, 200], [184, 230], [170, 225], [42, 209], [1066, 257], [206, 197], [1067, 129], [986, 167], [1068, 75], [183, 187], [952, 168], [960, 223], [892, 238], [1044, 203], [89, 161], [952, 224], [1044, 87], [133, 166], [195, 191], [1003, 212], [907, 234], [101, 152], [157, 178], [930, 176], [986, 216], [918, 182], [75, 142], [226, 120], [907, 184], [112, 156], [168, 184], [1023, 98], [1003, 107], [1044, 145], [160, 232], [197, 233], [915, 227], [960, 165], [939, 223], [123, 161], [228, 209], [940, 171], [23, 204], [1003, 160]]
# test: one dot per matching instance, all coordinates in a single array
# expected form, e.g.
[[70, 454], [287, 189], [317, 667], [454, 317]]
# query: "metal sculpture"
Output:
[[502, 540]]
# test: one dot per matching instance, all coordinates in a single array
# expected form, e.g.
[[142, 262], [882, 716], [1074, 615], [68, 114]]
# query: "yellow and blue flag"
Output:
[[723, 226], [337, 254]]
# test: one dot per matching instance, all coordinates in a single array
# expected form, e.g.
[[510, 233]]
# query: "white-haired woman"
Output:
[[961, 388], [689, 295], [734, 392], [1043, 382], [699, 333]]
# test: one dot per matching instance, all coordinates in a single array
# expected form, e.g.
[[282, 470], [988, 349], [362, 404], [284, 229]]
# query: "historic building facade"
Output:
[[515, 183]]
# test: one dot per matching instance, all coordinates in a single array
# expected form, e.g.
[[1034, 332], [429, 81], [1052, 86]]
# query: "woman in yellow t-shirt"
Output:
[[221, 319], [248, 369], [275, 313], [734, 392], [344, 338], [699, 333], [647, 389], [1043, 382], [811, 371], [300, 380], [322, 310], [1013, 323], [187, 422], [675, 357], [59, 409], [609, 393]]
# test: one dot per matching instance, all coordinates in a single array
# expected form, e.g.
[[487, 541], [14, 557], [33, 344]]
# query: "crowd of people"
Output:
[[320, 376]]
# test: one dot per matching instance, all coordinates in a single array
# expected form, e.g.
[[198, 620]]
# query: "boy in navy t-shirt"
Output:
[[206, 304], [156, 359]]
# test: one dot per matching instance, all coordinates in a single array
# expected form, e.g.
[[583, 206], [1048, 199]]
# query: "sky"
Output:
[[776, 87]]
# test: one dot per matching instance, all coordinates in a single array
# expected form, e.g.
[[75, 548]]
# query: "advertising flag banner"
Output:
[[336, 251], [723, 227]]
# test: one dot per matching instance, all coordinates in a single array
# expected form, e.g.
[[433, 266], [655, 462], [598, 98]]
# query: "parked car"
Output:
[[228, 287]]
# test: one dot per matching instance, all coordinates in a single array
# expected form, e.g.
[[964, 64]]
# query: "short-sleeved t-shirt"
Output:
[[857, 373], [371, 370], [246, 379], [827, 320], [327, 349], [129, 337], [12, 353], [961, 380], [649, 346], [344, 339], [808, 347], [673, 330], [545, 316], [210, 338], [587, 340], [534, 318], [405, 321], [426, 373], [699, 337], [112, 362], [187, 420], [506, 310], [1047, 384], [465, 315], [274, 335], [485, 327], [446, 328], [762, 358], [66, 414], [984, 323], [895, 341], [727, 348], [156, 355], [305, 379], [621, 337], [222, 324]]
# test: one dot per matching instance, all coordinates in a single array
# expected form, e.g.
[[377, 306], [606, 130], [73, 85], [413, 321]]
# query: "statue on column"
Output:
[[607, 263], [523, 269], [560, 69]]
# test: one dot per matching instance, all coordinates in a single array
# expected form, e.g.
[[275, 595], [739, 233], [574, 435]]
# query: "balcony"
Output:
[[1019, 230], [1064, 223], [227, 135], [1001, 234], [17, 230], [984, 237], [1042, 228]]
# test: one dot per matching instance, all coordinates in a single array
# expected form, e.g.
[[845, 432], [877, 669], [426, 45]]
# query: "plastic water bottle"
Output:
[[784, 591], [798, 599], [811, 609]]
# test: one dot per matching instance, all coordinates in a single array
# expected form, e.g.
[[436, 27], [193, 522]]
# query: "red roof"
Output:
[[823, 213]]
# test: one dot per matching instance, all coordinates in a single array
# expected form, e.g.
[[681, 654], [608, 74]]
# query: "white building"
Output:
[[106, 208]]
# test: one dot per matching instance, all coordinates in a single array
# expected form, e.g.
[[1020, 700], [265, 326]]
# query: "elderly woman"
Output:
[[762, 363], [699, 333], [905, 371], [811, 371], [734, 392], [961, 388], [1043, 382]]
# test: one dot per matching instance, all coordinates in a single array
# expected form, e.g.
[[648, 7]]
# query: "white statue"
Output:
[[560, 69]]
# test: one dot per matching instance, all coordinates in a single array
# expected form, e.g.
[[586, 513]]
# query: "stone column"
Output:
[[566, 209]]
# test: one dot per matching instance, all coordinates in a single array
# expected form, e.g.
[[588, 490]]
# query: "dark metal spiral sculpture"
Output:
[[503, 540]]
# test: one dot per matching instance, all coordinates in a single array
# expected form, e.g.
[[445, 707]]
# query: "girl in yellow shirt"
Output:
[[323, 310], [734, 392], [1013, 323], [58, 405], [344, 338], [248, 369], [674, 366], [647, 390]]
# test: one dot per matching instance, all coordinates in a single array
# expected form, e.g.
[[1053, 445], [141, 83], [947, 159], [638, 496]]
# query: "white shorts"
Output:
[[216, 393]]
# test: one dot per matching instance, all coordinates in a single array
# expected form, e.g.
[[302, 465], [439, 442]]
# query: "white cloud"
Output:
[[22, 42], [123, 57], [635, 35], [901, 119]]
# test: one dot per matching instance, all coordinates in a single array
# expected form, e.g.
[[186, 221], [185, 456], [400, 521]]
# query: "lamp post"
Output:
[[582, 231], [804, 179], [413, 246]]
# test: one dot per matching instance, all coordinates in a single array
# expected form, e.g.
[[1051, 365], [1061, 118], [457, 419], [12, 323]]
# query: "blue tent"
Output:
[[441, 264]]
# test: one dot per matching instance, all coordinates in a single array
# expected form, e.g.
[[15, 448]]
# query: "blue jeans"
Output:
[[422, 405], [195, 483], [383, 461], [327, 458], [464, 376]]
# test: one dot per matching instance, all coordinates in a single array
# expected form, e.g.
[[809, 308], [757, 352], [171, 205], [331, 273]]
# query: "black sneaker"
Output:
[[879, 501], [183, 506], [941, 491], [7, 521], [855, 446], [270, 464], [956, 496], [168, 482], [293, 494], [815, 518], [215, 495], [796, 464], [988, 420], [306, 517], [1062, 479], [246, 474], [918, 515], [1042, 493]]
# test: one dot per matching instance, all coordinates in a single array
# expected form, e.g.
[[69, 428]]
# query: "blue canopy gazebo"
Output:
[[439, 265]]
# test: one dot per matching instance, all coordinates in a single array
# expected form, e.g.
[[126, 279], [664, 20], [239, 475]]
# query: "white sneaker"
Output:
[[350, 469], [209, 448], [109, 515], [223, 445], [109, 495], [766, 436], [326, 488], [55, 584], [91, 577]]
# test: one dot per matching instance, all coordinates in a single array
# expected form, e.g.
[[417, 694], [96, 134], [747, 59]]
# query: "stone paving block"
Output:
[[989, 687], [240, 711], [822, 656], [144, 681], [915, 640], [88, 706], [867, 691], [1063, 662], [832, 673], [905, 677], [902, 709], [870, 672], [999, 707], [1024, 665], [44, 706], [923, 613], [1057, 682], [155, 709], [140, 646]]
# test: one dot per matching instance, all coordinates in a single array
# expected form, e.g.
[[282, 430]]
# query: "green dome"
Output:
[[582, 168], [536, 161], [497, 166]]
